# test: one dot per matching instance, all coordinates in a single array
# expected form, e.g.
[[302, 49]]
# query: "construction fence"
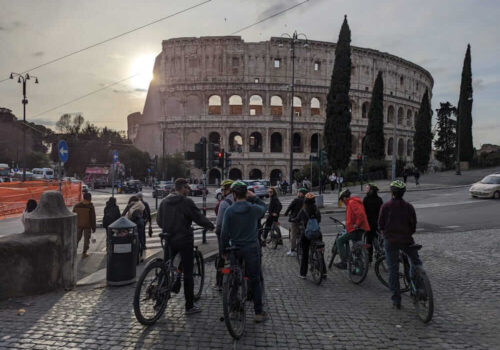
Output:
[[14, 195]]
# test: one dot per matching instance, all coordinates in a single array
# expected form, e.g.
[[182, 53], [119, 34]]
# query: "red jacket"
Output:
[[355, 217]]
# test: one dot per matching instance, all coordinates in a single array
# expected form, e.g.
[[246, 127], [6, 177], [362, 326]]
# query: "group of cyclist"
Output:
[[238, 219]]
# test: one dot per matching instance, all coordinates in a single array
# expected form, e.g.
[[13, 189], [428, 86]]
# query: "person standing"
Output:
[[86, 221], [416, 173], [225, 203], [147, 214], [333, 181], [175, 216], [292, 211], [135, 213], [274, 210], [111, 212], [405, 174], [340, 180], [372, 203]]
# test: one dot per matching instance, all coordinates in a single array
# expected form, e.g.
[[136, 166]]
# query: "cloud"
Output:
[[38, 54]]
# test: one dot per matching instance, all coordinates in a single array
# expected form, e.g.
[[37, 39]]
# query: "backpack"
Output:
[[312, 229]]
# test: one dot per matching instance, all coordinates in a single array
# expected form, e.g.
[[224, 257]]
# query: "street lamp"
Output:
[[294, 39], [163, 126], [22, 79]]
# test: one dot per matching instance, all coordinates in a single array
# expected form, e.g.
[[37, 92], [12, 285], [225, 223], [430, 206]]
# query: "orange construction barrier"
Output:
[[14, 195]]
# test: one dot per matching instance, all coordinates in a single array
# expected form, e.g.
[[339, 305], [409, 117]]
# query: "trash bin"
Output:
[[122, 247]]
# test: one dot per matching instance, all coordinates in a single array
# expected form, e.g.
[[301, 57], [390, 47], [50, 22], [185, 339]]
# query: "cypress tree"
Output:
[[338, 106], [465, 110], [445, 144], [423, 135], [374, 146]]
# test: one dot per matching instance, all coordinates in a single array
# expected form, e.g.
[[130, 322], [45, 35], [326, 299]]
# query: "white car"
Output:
[[218, 194], [489, 187]]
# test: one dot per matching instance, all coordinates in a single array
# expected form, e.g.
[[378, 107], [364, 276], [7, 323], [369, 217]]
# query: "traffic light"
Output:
[[227, 160], [213, 154], [220, 159], [199, 155]]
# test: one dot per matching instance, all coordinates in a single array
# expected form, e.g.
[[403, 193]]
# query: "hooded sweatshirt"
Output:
[[355, 217], [86, 215], [240, 222]]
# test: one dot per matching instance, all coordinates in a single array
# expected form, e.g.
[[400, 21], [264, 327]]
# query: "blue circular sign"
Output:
[[115, 156], [62, 151]]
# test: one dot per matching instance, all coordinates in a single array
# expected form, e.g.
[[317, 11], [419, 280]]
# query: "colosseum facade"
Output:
[[238, 94]]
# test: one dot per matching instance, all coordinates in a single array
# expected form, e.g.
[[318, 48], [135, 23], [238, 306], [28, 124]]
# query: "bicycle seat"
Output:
[[415, 246]]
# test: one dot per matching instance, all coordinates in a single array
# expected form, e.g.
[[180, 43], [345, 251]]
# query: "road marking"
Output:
[[450, 227], [444, 204], [420, 229]]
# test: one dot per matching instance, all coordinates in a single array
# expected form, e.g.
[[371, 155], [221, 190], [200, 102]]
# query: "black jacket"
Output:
[[111, 214], [175, 216], [294, 207], [372, 204], [275, 205], [147, 212]]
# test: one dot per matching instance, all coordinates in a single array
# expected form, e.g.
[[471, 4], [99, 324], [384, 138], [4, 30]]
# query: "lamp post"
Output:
[[163, 126], [22, 79], [294, 39], [394, 150]]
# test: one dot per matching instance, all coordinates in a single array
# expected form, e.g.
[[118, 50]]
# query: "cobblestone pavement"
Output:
[[464, 269]]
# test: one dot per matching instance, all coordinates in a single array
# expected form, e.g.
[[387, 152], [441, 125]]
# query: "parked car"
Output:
[[259, 188], [100, 182], [85, 188], [162, 189], [196, 190], [488, 187], [43, 173], [132, 186], [218, 194]]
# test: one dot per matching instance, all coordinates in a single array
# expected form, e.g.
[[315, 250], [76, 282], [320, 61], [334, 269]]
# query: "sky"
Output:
[[433, 34]]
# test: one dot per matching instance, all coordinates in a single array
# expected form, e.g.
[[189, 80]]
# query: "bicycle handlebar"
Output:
[[337, 221]]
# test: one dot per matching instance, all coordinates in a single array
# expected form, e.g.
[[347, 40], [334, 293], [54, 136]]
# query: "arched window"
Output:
[[354, 145], [401, 116], [235, 105], [315, 106], [276, 142], [314, 143], [390, 146], [235, 142], [390, 115], [297, 143], [235, 174], [255, 174], [409, 148], [255, 105], [409, 117], [401, 147], [364, 110], [214, 137], [297, 106], [276, 106], [255, 142], [214, 105], [275, 177]]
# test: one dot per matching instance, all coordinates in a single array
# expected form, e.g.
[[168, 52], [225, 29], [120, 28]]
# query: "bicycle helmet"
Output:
[[226, 184], [373, 186], [239, 187], [302, 190], [398, 187], [345, 194]]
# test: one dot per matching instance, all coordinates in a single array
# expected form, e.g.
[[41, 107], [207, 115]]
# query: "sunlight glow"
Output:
[[142, 65]]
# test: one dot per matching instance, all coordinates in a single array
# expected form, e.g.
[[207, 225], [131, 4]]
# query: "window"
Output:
[[255, 105], [255, 142], [297, 143], [256, 80], [389, 147], [401, 80], [276, 106], [235, 142], [409, 148], [214, 105], [364, 110], [277, 63], [276, 143], [315, 106], [390, 115], [401, 147], [317, 66], [314, 143], [400, 116], [235, 105], [409, 117], [297, 106]]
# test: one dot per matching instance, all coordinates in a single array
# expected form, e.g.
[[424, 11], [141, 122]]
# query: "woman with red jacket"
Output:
[[356, 223]]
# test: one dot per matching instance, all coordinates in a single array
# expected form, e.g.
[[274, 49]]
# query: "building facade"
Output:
[[238, 94]]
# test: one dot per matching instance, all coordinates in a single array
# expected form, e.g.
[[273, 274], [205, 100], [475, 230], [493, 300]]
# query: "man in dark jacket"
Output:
[[111, 212], [85, 213], [292, 210], [397, 222], [372, 203], [274, 211], [175, 216]]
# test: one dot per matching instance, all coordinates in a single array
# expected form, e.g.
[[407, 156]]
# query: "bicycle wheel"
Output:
[[198, 274], [382, 273], [316, 266], [151, 293], [423, 298], [233, 302], [276, 235], [357, 264], [335, 256]]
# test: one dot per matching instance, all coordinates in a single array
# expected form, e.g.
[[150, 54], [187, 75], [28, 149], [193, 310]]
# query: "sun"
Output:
[[143, 67]]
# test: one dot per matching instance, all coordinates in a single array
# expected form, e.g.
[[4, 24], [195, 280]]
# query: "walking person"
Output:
[[111, 212], [333, 181], [86, 221], [274, 211], [406, 171], [146, 214], [175, 216], [416, 173], [30, 206], [340, 180], [372, 203], [292, 211], [135, 213]]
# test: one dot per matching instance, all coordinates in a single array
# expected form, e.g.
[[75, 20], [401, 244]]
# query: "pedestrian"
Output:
[[323, 182], [175, 217], [135, 213], [274, 210], [86, 221], [333, 180], [405, 174], [372, 203], [416, 173], [340, 180], [147, 213], [292, 211], [30, 206], [111, 212], [225, 203]]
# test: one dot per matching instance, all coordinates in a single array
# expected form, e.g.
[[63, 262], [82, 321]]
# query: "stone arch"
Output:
[[255, 174], [235, 174], [297, 143], [315, 106], [255, 142], [235, 105], [409, 148], [297, 106], [276, 143], [401, 116], [314, 143], [401, 147], [235, 142], [276, 106], [214, 137], [173, 106], [409, 117], [390, 114], [214, 175], [390, 146], [364, 110], [214, 105], [193, 105], [275, 176], [255, 105]]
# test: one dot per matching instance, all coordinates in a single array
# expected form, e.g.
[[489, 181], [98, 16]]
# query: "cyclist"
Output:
[[356, 224], [175, 216], [308, 211], [239, 228], [292, 210], [372, 203], [225, 203], [397, 222], [274, 210]]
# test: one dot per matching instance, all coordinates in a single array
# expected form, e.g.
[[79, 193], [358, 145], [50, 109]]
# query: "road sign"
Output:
[[16, 170], [115, 156], [62, 151]]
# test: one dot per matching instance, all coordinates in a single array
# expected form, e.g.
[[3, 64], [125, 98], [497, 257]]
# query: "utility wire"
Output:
[[112, 38], [130, 77]]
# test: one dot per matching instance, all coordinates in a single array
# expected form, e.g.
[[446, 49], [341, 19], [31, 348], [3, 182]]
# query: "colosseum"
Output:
[[238, 94]]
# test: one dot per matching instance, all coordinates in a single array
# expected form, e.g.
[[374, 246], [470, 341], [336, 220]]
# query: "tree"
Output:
[[337, 132], [374, 145], [465, 110], [445, 144], [37, 160], [68, 124], [175, 166], [422, 139]]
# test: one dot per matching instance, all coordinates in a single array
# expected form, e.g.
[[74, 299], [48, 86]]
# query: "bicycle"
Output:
[[274, 235], [160, 278], [416, 281], [357, 256], [316, 260]]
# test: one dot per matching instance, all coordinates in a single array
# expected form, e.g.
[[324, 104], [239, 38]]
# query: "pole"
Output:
[[113, 179], [163, 152], [25, 101], [394, 150], [319, 162], [204, 179], [291, 111]]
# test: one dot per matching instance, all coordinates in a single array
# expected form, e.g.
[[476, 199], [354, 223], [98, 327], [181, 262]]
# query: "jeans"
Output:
[[86, 233], [392, 259], [343, 242], [186, 252], [269, 223], [250, 254], [370, 235], [294, 232], [219, 264]]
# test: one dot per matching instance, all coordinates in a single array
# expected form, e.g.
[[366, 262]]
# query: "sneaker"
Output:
[[289, 253], [302, 276], [341, 265], [396, 305], [260, 317], [85, 255], [194, 310], [293, 254]]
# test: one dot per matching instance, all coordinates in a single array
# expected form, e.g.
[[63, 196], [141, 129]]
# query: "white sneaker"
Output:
[[289, 253]]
